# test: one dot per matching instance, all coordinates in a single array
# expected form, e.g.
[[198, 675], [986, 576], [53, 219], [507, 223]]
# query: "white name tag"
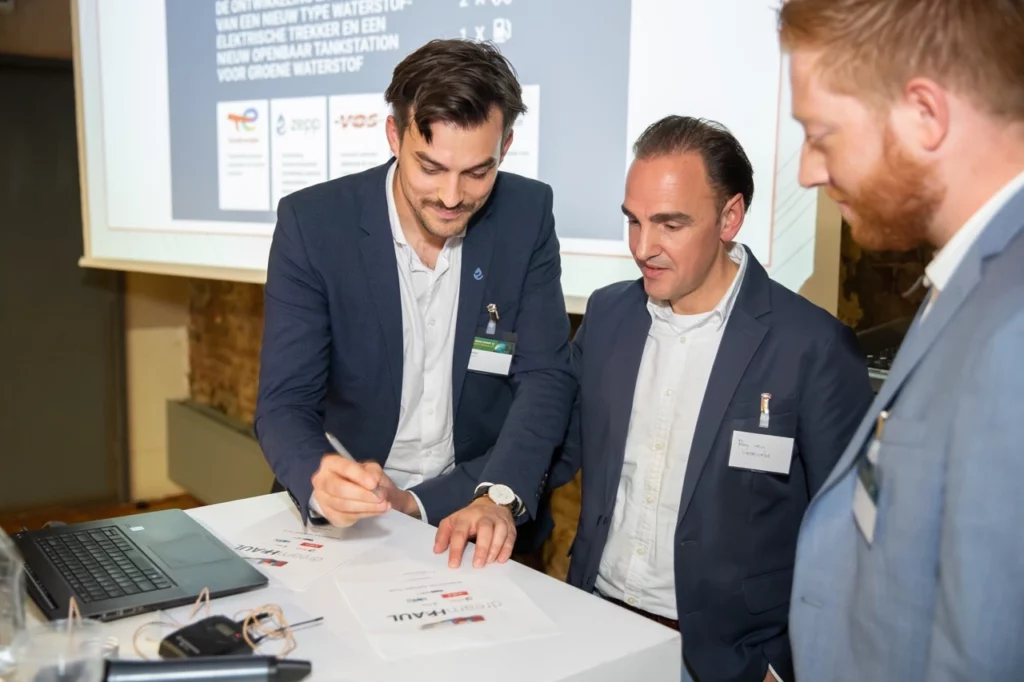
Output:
[[761, 452], [489, 362], [491, 355]]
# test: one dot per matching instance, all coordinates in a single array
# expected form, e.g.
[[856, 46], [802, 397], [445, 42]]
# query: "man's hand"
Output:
[[492, 526], [347, 491]]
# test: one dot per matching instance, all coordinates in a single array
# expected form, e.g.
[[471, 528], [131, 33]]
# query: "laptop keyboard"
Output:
[[102, 564]]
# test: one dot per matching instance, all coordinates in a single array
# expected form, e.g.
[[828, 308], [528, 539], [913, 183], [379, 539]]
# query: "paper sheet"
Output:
[[409, 608], [294, 556]]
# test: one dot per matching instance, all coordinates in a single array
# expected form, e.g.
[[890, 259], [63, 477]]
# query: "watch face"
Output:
[[501, 494]]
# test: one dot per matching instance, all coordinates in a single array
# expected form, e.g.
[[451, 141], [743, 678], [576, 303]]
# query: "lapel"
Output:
[[477, 247], [1004, 226], [381, 266], [741, 339], [621, 370]]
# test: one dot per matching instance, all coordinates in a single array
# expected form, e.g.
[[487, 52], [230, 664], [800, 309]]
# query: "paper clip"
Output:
[[492, 311], [763, 422]]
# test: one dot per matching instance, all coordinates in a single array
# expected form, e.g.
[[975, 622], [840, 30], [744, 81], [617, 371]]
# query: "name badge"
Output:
[[865, 494], [761, 452], [492, 354]]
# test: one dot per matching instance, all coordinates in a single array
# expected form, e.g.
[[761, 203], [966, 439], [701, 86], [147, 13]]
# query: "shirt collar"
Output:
[[945, 261], [661, 311]]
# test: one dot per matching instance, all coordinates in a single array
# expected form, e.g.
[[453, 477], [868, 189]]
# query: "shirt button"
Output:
[[659, 446], [431, 323], [668, 391], [682, 339], [430, 411], [650, 499], [631, 601], [640, 551]]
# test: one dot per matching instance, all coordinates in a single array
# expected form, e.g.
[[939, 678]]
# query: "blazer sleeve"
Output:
[[569, 458], [833, 403], [543, 386], [978, 621], [294, 362]]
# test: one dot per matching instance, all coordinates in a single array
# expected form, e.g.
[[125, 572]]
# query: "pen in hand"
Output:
[[340, 449]]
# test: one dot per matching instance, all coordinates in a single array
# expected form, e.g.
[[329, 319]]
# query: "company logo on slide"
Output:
[[357, 120], [297, 125], [244, 121]]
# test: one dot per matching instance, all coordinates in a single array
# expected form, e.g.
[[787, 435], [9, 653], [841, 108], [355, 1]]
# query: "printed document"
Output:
[[294, 556], [408, 608]]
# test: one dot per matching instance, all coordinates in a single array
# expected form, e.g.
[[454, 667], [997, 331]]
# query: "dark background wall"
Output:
[[62, 429]]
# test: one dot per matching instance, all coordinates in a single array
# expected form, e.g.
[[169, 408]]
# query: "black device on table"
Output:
[[130, 565], [213, 668]]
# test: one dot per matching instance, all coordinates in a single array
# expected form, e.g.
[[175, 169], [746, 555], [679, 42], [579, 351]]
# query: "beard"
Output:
[[896, 203], [442, 229]]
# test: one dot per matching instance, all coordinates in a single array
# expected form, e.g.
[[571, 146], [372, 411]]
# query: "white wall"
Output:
[[156, 346]]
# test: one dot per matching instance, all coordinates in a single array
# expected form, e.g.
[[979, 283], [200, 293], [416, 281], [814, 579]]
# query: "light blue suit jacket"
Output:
[[939, 594]]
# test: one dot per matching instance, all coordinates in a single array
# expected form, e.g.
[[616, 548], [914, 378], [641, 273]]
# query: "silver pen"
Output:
[[340, 449]]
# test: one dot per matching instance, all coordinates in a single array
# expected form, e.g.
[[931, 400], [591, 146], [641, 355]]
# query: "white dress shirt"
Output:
[[423, 447], [638, 563], [946, 261]]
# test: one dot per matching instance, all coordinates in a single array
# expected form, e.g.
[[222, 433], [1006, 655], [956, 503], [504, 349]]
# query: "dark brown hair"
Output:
[[872, 48], [454, 81], [726, 164]]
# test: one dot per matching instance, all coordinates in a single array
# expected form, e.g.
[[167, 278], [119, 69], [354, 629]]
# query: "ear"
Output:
[[394, 136], [924, 114], [732, 218], [505, 146]]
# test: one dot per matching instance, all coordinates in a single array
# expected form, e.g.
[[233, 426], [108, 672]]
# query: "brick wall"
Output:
[[225, 329]]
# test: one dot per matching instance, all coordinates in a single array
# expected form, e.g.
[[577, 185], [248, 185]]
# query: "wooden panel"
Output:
[[37, 28]]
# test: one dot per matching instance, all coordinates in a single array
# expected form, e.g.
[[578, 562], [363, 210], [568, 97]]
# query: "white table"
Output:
[[597, 641]]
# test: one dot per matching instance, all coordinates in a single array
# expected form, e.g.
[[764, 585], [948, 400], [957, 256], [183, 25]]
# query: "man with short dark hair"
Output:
[[713, 403], [414, 311]]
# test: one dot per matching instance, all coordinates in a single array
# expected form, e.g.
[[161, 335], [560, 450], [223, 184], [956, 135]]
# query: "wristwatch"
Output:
[[501, 495]]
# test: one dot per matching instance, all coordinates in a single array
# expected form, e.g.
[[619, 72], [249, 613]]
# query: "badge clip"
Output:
[[492, 311], [763, 421], [876, 442]]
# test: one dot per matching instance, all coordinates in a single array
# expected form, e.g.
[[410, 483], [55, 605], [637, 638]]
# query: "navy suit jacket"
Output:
[[332, 340], [736, 535]]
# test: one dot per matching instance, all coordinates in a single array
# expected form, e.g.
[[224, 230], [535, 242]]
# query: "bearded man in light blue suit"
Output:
[[910, 562]]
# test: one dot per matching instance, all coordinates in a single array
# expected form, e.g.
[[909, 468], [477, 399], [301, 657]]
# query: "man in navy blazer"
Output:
[[414, 312], [713, 403]]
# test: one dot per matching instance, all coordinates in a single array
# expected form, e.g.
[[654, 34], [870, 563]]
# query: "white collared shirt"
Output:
[[638, 563], [945, 262], [423, 447]]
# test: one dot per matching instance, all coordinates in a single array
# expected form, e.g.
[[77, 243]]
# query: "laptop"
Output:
[[129, 565]]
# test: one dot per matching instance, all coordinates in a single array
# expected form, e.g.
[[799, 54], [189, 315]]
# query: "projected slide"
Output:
[[269, 96], [198, 116]]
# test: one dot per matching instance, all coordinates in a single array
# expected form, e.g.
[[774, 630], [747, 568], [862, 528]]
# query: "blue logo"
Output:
[[478, 274]]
